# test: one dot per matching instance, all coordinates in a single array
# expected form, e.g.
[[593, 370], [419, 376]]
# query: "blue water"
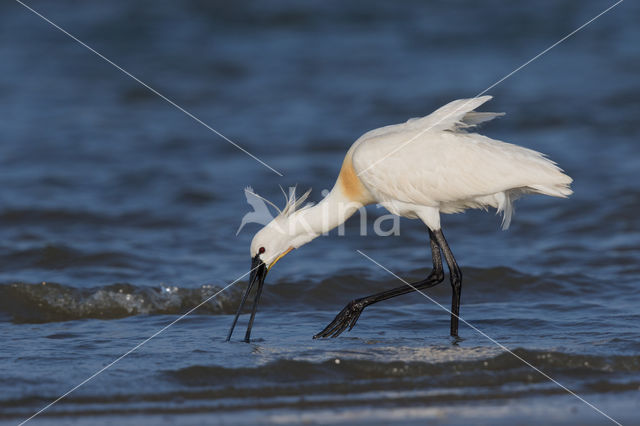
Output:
[[118, 213]]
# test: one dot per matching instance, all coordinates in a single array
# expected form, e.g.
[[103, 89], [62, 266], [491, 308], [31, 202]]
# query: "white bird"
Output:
[[417, 169]]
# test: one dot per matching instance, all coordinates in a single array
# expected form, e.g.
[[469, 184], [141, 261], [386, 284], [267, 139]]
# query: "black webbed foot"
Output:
[[346, 318]]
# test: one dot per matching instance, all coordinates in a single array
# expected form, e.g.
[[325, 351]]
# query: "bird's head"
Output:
[[282, 234], [271, 244]]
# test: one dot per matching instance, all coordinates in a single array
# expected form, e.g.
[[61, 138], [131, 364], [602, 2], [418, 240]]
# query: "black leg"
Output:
[[456, 280], [350, 314]]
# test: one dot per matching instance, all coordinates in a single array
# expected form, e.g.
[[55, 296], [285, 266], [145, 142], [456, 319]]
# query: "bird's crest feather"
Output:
[[293, 203]]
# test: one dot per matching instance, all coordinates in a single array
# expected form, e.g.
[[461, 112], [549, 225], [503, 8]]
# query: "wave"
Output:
[[295, 384], [480, 371], [45, 302]]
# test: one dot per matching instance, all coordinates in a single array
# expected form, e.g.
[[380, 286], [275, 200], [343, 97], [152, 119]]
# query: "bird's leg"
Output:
[[456, 280], [350, 314]]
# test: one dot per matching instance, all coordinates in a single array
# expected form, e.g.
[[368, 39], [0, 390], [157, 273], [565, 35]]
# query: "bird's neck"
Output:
[[347, 196], [332, 211]]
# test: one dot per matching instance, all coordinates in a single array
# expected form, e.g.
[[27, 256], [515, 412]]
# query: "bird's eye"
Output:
[[261, 250]]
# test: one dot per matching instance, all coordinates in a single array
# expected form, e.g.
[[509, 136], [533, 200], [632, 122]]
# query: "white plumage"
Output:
[[446, 168], [418, 169]]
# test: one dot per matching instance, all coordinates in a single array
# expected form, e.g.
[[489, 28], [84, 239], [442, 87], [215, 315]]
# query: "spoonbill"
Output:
[[418, 169]]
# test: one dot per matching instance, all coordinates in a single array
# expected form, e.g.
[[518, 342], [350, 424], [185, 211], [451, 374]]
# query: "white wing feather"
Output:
[[447, 168]]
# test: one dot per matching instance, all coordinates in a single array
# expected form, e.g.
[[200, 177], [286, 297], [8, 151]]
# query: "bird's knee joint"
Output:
[[358, 303], [436, 275]]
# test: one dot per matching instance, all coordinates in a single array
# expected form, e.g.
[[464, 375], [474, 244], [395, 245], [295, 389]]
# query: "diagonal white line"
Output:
[[119, 68], [133, 349], [500, 345], [460, 108]]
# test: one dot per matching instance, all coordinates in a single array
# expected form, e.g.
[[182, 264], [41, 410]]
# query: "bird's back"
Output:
[[433, 161]]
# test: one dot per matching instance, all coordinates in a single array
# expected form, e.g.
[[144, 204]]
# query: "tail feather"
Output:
[[507, 198], [557, 183], [560, 190]]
